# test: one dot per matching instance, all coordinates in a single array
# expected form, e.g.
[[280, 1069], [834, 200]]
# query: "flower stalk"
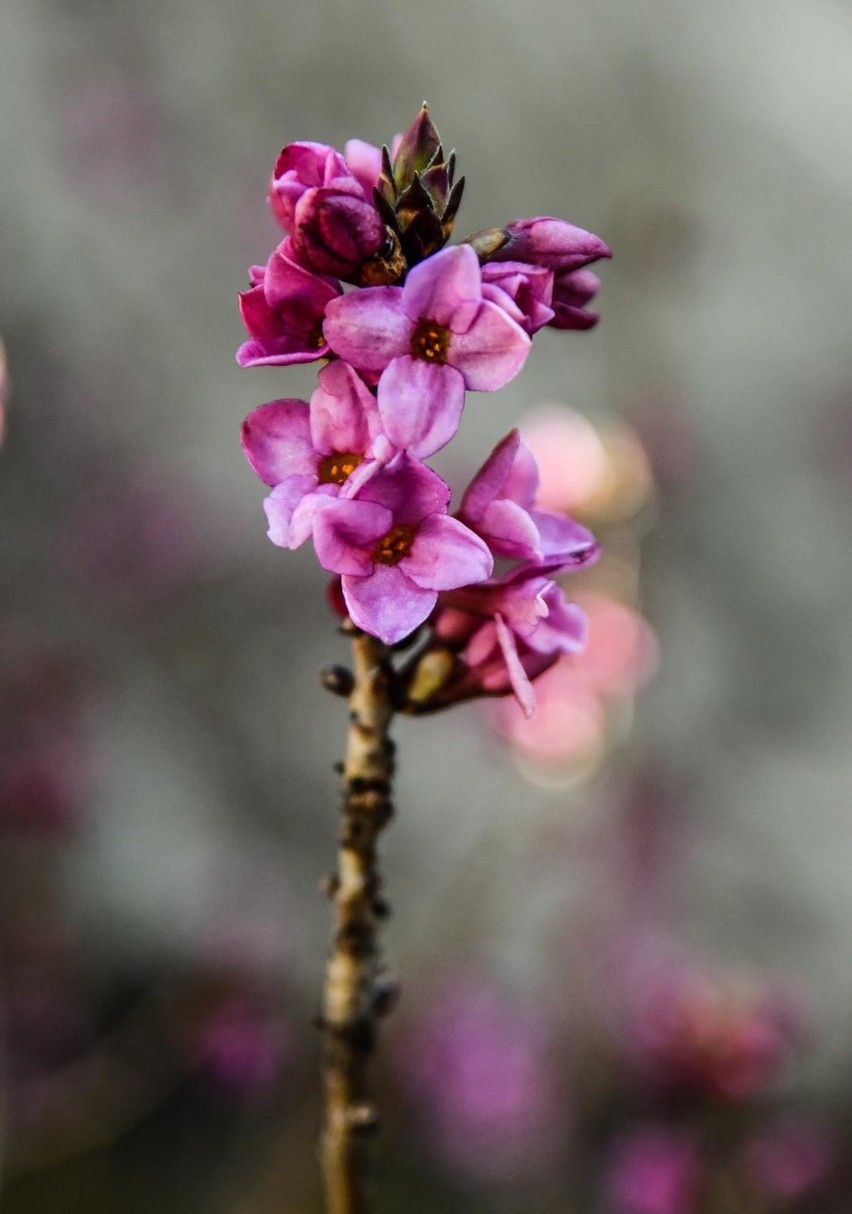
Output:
[[357, 994]]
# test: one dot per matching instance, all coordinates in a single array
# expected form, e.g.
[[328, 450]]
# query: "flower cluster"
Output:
[[405, 327]]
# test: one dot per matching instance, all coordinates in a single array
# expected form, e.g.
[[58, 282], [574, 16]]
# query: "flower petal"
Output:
[[344, 415], [490, 479], [409, 489], [521, 685], [277, 441], [368, 328], [420, 404], [446, 288], [387, 604], [281, 505], [491, 352], [446, 554], [345, 532]]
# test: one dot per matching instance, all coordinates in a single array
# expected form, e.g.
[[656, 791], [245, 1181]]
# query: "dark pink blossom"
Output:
[[311, 453], [439, 318], [283, 312], [239, 1047], [396, 548], [306, 166]]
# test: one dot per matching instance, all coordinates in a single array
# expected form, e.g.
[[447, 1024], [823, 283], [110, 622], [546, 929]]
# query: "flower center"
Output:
[[430, 341], [316, 337], [392, 547], [334, 469]]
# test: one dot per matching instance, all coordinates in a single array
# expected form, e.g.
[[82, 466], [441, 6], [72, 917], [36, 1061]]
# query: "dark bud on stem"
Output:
[[415, 195], [338, 680]]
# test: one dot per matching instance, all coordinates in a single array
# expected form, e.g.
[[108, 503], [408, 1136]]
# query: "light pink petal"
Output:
[[565, 543], [387, 604], [564, 628], [491, 352], [277, 441], [509, 530], [344, 414], [345, 533], [280, 506], [446, 554], [368, 328], [489, 480], [420, 404], [446, 288], [521, 685], [302, 522], [365, 162], [523, 480]]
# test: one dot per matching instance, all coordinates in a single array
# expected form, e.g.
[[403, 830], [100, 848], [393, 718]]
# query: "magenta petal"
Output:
[[490, 479], [446, 554], [446, 288], [344, 415], [387, 604], [491, 352], [280, 507], [368, 328], [278, 352], [420, 404], [563, 629], [518, 678], [409, 489], [345, 533], [277, 441]]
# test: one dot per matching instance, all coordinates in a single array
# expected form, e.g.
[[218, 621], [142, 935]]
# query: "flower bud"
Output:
[[334, 233], [552, 243]]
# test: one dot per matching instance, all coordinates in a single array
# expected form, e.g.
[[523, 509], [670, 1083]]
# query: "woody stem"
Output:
[[355, 996]]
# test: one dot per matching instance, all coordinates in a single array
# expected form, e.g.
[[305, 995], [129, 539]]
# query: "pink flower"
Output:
[[654, 1170], [438, 331], [238, 1047], [395, 548], [283, 312], [315, 452], [479, 1072]]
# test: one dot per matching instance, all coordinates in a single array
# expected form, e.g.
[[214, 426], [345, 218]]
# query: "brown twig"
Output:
[[356, 994]]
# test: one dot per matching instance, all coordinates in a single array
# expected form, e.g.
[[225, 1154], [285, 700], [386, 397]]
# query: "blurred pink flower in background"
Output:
[[134, 544], [478, 1071], [717, 1037], [790, 1159], [4, 393], [45, 767], [239, 1047], [653, 1170]]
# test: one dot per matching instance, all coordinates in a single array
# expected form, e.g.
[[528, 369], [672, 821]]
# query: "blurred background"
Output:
[[622, 932]]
